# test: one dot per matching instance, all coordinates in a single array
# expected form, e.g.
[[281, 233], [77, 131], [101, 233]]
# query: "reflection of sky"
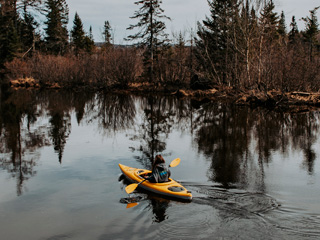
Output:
[[287, 180], [184, 14]]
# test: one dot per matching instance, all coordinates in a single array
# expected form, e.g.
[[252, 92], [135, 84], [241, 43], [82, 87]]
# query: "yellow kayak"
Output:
[[170, 189]]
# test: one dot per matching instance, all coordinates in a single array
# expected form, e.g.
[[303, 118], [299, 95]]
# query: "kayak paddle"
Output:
[[130, 188], [175, 162], [130, 205]]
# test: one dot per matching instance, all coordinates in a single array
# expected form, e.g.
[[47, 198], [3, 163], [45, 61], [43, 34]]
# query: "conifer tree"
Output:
[[294, 31], [282, 29], [151, 34], [17, 28], [107, 33], [9, 42], [77, 34], [311, 32], [269, 20], [90, 33], [89, 41], [215, 50], [56, 26], [8, 34]]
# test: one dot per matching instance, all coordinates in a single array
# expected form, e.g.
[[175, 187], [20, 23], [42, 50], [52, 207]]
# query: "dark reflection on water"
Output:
[[158, 118], [156, 204], [224, 133], [237, 144]]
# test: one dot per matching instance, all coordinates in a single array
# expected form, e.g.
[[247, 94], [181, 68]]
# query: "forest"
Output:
[[241, 44]]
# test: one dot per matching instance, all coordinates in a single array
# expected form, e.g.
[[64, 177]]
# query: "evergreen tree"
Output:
[[215, 49], [9, 42], [8, 34], [26, 28], [269, 20], [78, 34], [89, 42], [90, 34], [56, 26], [151, 34], [17, 28], [107, 33], [282, 29], [311, 32], [294, 31]]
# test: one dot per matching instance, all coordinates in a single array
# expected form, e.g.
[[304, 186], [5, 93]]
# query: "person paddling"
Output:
[[160, 172]]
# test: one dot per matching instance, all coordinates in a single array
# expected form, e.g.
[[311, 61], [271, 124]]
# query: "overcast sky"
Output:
[[184, 14]]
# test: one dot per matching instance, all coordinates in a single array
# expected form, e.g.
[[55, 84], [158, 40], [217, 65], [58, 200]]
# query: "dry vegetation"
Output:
[[117, 67], [294, 76]]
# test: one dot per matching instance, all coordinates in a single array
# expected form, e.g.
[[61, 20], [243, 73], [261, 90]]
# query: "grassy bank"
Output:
[[294, 101]]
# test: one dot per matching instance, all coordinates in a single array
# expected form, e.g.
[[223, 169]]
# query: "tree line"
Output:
[[245, 44], [242, 43]]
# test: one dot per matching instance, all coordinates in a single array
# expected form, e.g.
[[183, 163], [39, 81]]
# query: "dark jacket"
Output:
[[160, 174]]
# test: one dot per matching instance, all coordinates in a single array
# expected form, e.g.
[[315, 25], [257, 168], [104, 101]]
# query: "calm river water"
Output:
[[254, 173]]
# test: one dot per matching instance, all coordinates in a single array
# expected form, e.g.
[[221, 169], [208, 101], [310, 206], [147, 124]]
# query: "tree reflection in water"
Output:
[[157, 122], [115, 112], [238, 141], [59, 107], [159, 207], [18, 141], [304, 132]]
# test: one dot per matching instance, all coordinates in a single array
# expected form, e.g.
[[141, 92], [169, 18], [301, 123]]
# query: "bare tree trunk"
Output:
[[260, 59], [248, 61], [151, 45]]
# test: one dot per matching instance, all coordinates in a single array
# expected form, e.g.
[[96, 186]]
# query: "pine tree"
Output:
[[151, 34], [9, 39], [215, 49], [90, 34], [107, 34], [269, 20], [89, 41], [27, 26], [77, 34], [294, 31], [311, 32], [17, 28], [282, 29], [9, 43], [56, 26]]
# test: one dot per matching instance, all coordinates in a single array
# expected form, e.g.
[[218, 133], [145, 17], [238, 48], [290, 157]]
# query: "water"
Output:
[[254, 173]]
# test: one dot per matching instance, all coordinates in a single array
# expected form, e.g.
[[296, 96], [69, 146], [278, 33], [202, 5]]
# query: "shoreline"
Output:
[[294, 101]]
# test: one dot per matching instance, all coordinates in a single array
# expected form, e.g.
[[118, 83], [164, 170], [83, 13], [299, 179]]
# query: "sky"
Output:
[[183, 13]]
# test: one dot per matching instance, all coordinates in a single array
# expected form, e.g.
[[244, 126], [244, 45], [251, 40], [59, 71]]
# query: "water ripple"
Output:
[[295, 223]]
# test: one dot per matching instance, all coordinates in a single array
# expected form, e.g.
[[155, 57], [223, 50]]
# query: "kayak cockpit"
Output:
[[142, 173]]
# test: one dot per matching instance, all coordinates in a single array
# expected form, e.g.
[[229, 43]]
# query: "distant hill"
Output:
[[100, 44]]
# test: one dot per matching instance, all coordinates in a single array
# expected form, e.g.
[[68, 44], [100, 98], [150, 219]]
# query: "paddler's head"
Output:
[[158, 160]]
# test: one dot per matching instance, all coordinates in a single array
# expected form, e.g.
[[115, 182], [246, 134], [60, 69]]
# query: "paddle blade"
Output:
[[175, 162], [130, 188], [130, 205]]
